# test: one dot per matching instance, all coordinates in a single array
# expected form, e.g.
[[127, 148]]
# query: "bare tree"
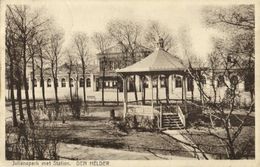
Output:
[[40, 44], [187, 51], [228, 65], [81, 49], [102, 42], [31, 54], [25, 21], [128, 35], [71, 63], [235, 17], [239, 22], [19, 83], [154, 32], [10, 42], [53, 50]]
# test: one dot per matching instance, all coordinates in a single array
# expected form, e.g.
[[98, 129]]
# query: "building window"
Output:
[[41, 82], [146, 82], [220, 81], [234, 80], [35, 82], [162, 79], [71, 82], [155, 82], [63, 82], [49, 83], [178, 83], [88, 82], [190, 84], [81, 82]]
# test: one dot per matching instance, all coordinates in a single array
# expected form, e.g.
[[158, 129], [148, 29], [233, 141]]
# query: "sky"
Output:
[[93, 16]]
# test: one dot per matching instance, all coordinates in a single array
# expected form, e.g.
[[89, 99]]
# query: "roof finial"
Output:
[[161, 43]]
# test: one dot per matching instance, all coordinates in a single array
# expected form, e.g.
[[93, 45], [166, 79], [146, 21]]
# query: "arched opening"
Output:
[[162, 80], [35, 82], [49, 82], [81, 82], [71, 83], [178, 82], [88, 82], [190, 85], [63, 82], [146, 82], [131, 84]]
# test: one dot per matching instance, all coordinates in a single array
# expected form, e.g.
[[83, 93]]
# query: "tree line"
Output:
[[34, 40]]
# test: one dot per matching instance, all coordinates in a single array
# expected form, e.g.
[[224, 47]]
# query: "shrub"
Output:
[[75, 106], [30, 143], [141, 122]]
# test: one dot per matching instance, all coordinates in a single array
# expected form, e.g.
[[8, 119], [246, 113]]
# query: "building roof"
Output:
[[158, 61], [117, 49], [64, 69]]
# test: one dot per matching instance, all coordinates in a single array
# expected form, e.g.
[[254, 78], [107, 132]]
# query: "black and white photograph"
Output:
[[127, 80]]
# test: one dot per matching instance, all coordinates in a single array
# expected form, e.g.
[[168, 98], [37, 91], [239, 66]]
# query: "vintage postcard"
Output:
[[136, 83]]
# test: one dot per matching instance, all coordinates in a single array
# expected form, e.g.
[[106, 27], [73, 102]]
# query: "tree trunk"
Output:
[[33, 83], [117, 90], [143, 90], [42, 82], [77, 86], [29, 114], [84, 87], [103, 83], [136, 97], [55, 88], [71, 98], [54, 76], [157, 91], [19, 95], [167, 88], [18, 83], [12, 93], [192, 90]]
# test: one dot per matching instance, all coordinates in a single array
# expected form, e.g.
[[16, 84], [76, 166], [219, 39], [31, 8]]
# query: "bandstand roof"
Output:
[[159, 61]]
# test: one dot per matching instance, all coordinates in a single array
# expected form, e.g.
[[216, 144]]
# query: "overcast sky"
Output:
[[92, 16]]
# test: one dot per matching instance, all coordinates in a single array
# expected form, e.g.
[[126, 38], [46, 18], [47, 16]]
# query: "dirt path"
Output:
[[177, 134], [75, 151]]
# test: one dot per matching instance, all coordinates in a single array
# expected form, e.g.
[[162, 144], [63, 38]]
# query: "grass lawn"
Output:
[[100, 132], [94, 129], [214, 147]]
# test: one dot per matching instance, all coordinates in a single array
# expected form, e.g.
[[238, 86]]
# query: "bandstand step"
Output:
[[171, 121]]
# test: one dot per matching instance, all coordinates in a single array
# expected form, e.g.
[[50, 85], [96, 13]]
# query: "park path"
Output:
[[76, 151], [177, 134]]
